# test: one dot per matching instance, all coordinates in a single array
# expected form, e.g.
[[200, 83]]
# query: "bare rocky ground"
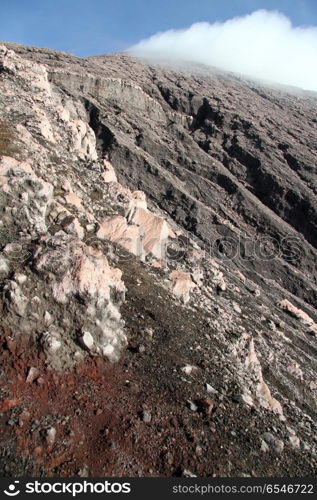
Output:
[[134, 343]]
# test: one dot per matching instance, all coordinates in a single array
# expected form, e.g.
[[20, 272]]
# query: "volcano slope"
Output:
[[158, 270]]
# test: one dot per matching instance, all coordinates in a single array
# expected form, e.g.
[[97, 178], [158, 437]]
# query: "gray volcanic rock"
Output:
[[182, 202], [222, 156]]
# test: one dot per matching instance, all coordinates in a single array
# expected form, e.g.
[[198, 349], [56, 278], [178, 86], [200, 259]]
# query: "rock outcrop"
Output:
[[141, 232]]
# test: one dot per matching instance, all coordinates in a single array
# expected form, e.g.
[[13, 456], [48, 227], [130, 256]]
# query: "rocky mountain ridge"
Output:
[[164, 222]]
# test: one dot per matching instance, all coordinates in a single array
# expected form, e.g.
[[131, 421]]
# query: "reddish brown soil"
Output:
[[96, 408]]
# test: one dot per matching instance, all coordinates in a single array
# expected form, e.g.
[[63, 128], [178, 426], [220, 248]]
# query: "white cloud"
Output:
[[263, 45]]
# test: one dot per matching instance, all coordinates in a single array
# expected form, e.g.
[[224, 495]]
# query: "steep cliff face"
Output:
[[158, 237]]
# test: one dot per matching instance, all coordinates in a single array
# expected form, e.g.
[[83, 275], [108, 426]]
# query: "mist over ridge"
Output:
[[263, 45]]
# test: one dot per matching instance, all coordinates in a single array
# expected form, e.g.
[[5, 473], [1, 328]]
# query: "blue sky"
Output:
[[101, 26]]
